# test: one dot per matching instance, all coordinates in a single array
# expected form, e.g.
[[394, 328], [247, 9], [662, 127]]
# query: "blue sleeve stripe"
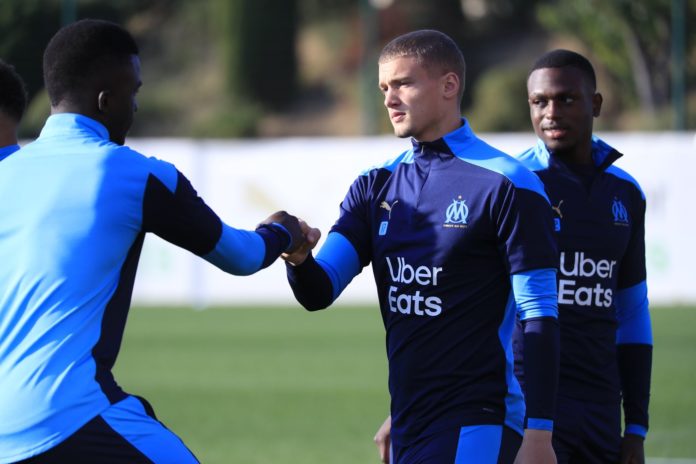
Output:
[[463, 141], [621, 174], [238, 252], [633, 315], [535, 293], [407, 157], [535, 158], [540, 424], [340, 261], [636, 429]]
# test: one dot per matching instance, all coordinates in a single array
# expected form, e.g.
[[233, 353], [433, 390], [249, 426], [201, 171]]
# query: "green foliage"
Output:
[[258, 47], [629, 40], [499, 101]]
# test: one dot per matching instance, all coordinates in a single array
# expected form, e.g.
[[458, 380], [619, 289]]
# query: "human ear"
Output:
[[596, 104], [450, 85], [103, 101]]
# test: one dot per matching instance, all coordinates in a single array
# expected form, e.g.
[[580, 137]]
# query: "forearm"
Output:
[[541, 363], [243, 252], [634, 350], [635, 366], [310, 284]]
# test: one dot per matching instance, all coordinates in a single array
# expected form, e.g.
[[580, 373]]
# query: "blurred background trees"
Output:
[[244, 68]]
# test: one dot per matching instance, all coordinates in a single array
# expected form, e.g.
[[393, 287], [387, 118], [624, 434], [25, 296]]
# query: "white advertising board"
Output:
[[245, 181]]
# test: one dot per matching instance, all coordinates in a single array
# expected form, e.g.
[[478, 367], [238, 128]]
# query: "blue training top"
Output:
[[602, 292], [74, 214], [7, 151], [445, 225]]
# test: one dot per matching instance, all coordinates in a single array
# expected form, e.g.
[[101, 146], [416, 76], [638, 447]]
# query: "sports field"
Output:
[[267, 385]]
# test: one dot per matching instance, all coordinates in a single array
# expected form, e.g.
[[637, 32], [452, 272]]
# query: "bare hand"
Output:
[[632, 450], [536, 448], [383, 440], [291, 224], [299, 254]]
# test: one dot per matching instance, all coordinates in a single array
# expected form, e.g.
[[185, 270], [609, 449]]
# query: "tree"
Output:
[[630, 39]]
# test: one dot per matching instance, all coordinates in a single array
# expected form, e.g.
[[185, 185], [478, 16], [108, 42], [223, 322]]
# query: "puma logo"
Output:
[[389, 208], [557, 209]]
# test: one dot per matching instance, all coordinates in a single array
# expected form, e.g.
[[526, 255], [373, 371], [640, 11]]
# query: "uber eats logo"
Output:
[[412, 303], [578, 265]]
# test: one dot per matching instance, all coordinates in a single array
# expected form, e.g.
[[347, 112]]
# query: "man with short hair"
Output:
[[76, 206], [13, 104], [451, 227], [606, 338]]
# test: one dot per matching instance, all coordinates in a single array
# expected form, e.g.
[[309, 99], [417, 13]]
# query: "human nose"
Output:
[[390, 98], [552, 110]]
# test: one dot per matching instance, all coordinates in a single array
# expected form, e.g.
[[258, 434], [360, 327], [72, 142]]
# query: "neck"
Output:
[[8, 130], [442, 128]]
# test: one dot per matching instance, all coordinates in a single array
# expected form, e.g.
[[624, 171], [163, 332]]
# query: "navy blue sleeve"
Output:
[[525, 230], [354, 220], [635, 365], [310, 284], [632, 270], [177, 214], [180, 217], [541, 364]]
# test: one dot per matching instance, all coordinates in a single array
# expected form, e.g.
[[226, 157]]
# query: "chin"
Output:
[[556, 145], [403, 132]]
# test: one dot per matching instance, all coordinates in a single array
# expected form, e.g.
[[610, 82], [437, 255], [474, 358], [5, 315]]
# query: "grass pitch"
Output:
[[262, 385]]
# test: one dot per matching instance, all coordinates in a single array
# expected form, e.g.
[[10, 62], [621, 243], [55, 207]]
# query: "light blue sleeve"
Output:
[[340, 261], [535, 293], [238, 252], [633, 315]]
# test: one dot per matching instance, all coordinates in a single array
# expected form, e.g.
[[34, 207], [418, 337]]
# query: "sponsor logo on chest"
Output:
[[577, 265], [403, 273]]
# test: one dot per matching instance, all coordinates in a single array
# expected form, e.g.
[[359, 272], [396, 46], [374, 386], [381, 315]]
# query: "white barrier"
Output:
[[245, 181]]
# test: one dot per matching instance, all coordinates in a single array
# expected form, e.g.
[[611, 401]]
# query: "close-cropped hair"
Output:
[[13, 93], [561, 58], [433, 50], [82, 50]]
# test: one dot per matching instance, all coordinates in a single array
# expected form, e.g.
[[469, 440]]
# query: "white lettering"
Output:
[[596, 296], [433, 305], [406, 274], [404, 308], [394, 276], [417, 299], [391, 298], [565, 295], [415, 303], [406, 269], [581, 266]]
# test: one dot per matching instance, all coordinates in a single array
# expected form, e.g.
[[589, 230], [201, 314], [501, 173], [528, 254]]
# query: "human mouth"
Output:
[[398, 116], [555, 132]]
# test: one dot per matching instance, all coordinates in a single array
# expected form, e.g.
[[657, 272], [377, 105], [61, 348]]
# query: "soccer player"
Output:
[[606, 338], [13, 103], [451, 227], [76, 206]]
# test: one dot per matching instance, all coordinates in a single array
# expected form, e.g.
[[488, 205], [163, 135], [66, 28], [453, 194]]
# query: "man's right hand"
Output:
[[291, 225], [299, 254], [383, 440]]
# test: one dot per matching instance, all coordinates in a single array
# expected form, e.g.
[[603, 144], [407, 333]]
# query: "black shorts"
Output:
[[586, 432], [476, 444], [126, 433]]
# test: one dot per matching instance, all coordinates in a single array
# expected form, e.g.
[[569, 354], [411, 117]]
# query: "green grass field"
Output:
[[262, 385]]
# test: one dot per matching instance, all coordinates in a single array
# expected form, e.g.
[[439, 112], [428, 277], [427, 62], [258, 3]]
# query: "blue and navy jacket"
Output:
[[75, 210], [7, 151], [444, 225], [606, 338]]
